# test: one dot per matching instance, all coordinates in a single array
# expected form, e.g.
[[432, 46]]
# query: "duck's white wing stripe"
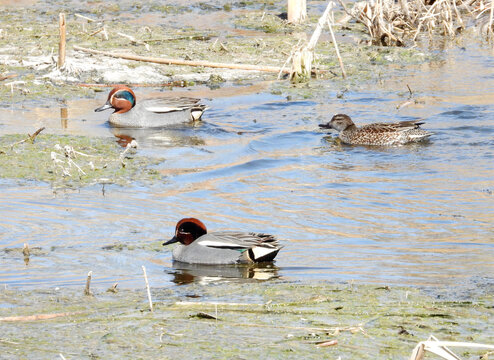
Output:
[[220, 244], [163, 109]]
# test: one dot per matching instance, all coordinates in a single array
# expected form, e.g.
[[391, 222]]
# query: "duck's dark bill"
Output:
[[104, 107], [171, 241], [325, 126]]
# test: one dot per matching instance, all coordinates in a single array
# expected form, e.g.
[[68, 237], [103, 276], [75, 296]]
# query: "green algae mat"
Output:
[[257, 320], [73, 161]]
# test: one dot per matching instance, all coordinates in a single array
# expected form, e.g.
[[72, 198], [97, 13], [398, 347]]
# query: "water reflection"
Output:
[[64, 117], [163, 137], [184, 273], [419, 214]]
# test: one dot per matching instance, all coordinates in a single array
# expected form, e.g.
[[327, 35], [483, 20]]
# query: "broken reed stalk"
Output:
[[327, 343], [36, 133], [29, 138], [113, 288], [147, 288], [490, 31], [177, 83], [25, 250], [26, 253], [84, 17], [134, 41], [433, 345], [419, 353], [296, 11], [61, 45], [343, 72], [87, 290], [168, 61], [302, 59]]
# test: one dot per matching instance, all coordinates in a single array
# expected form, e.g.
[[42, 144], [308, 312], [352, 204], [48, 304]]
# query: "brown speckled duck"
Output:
[[380, 134]]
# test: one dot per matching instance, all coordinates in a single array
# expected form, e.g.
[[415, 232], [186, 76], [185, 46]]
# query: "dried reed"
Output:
[[391, 23]]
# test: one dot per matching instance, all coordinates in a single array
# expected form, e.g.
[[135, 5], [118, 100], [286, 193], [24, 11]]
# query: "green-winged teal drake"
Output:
[[380, 134], [158, 112], [197, 246]]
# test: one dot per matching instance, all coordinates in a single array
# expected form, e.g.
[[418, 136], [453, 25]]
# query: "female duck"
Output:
[[150, 112], [197, 246], [376, 134]]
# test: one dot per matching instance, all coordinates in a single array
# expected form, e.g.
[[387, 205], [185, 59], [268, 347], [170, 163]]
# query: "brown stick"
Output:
[[327, 343], [97, 31], [29, 138], [61, 45], [36, 133], [35, 317], [178, 83], [10, 76], [169, 61]]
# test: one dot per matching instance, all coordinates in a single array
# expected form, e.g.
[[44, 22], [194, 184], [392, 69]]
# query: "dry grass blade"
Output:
[[328, 343], [35, 317], [148, 290], [433, 345]]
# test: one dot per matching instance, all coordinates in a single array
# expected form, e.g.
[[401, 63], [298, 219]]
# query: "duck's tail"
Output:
[[262, 254], [196, 112], [420, 135]]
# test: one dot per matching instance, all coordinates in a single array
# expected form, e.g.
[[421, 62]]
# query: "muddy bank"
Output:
[[257, 320], [244, 32]]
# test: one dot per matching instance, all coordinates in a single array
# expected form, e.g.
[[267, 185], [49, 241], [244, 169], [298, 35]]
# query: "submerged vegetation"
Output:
[[73, 161], [279, 320]]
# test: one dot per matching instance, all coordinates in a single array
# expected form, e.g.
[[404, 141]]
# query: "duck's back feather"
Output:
[[237, 240], [164, 105], [392, 127]]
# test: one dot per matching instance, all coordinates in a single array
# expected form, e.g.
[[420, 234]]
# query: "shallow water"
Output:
[[414, 215]]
